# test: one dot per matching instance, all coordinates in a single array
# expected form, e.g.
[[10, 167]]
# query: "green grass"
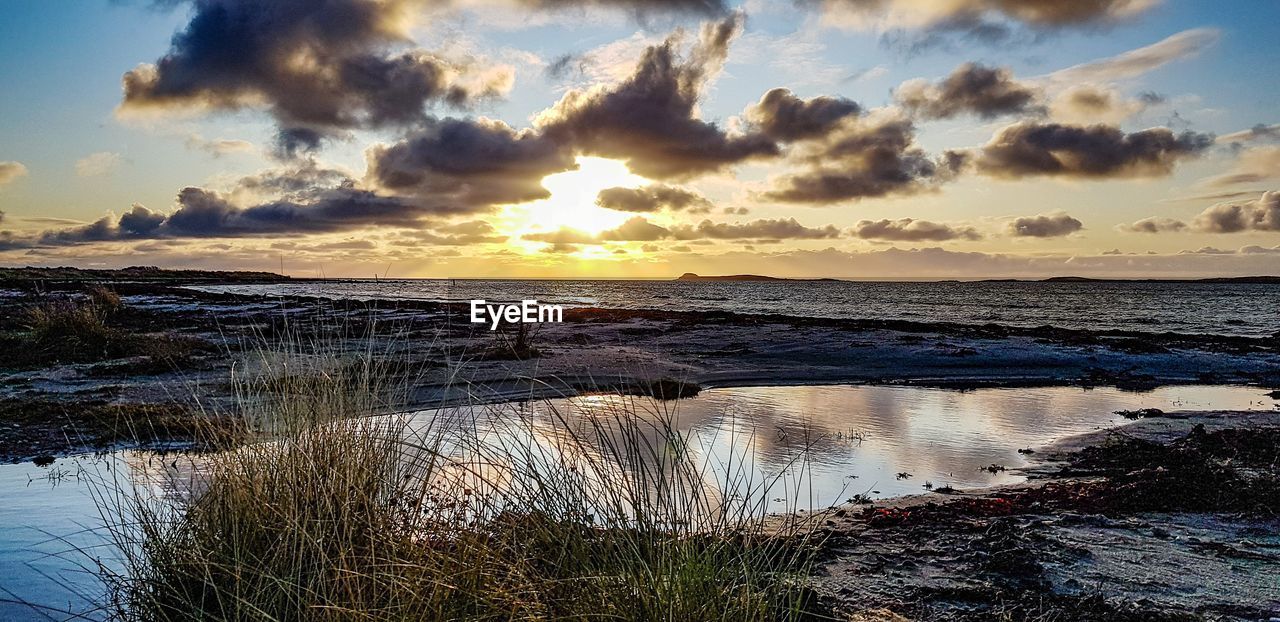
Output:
[[341, 512]]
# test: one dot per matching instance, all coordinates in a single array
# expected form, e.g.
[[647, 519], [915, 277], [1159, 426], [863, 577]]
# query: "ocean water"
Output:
[[1244, 309]]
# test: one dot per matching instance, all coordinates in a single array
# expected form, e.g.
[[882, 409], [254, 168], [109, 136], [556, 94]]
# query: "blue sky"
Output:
[[62, 65]]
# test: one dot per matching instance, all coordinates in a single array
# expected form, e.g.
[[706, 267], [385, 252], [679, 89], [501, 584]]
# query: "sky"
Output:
[[643, 138]]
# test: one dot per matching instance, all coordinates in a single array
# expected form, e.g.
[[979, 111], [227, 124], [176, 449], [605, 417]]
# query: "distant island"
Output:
[[689, 276]]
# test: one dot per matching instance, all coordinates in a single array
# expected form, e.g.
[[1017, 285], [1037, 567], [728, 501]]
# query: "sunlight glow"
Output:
[[572, 203]]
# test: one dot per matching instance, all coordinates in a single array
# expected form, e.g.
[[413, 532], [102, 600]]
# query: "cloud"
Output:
[[652, 198], [873, 156], [1183, 45], [466, 233], [97, 164], [563, 237], [1257, 133], [911, 230], [204, 213], [218, 147], [1041, 14], [463, 165], [1029, 149], [1254, 165], [1154, 225], [707, 8], [316, 65], [1097, 104], [971, 89], [782, 116], [1052, 225], [1262, 214], [638, 229], [650, 119], [764, 228], [10, 170]]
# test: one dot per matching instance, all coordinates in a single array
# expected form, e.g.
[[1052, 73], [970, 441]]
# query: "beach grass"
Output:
[[340, 510]]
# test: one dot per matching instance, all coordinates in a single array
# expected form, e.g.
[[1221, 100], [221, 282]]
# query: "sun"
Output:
[[572, 203]]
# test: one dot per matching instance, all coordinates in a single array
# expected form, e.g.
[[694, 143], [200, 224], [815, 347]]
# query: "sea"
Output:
[[1233, 309]]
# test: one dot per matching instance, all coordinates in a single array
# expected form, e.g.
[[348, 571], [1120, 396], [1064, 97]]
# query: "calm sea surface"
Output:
[[1211, 308]]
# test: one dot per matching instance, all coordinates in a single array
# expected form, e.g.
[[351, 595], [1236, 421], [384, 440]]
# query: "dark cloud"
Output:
[[468, 165], [565, 66], [872, 157], [1044, 226], [649, 120], [302, 200], [653, 198], [295, 142], [318, 65], [1096, 151], [1154, 225], [971, 89], [947, 35], [1260, 215], [10, 241], [1152, 98], [636, 230], [1038, 14], [563, 237], [911, 230], [642, 8], [782, 116]]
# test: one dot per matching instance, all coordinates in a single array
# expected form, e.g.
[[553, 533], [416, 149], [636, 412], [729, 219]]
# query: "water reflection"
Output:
[[818, 445], [823, 444]]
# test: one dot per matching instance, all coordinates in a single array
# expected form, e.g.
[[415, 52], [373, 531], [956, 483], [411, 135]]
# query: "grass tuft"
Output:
[[340, 511]]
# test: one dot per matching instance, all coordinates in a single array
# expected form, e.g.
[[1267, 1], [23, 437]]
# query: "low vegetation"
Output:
[[87, 328], [341, 511]]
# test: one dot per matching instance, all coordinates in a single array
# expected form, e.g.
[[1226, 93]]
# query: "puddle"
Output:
[[825, 443]]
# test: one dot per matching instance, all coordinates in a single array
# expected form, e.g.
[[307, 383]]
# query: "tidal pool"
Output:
[[817, 446]]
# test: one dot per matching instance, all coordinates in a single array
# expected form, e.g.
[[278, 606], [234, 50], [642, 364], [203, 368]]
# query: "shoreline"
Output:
[[965, 554], [594, 350]]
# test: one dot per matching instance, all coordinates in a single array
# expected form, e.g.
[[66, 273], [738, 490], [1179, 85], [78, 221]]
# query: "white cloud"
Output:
[[97, 164], [10, 170], [1183, 45]]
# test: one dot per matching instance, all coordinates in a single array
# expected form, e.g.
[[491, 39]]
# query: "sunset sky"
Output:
[[643, 138]]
